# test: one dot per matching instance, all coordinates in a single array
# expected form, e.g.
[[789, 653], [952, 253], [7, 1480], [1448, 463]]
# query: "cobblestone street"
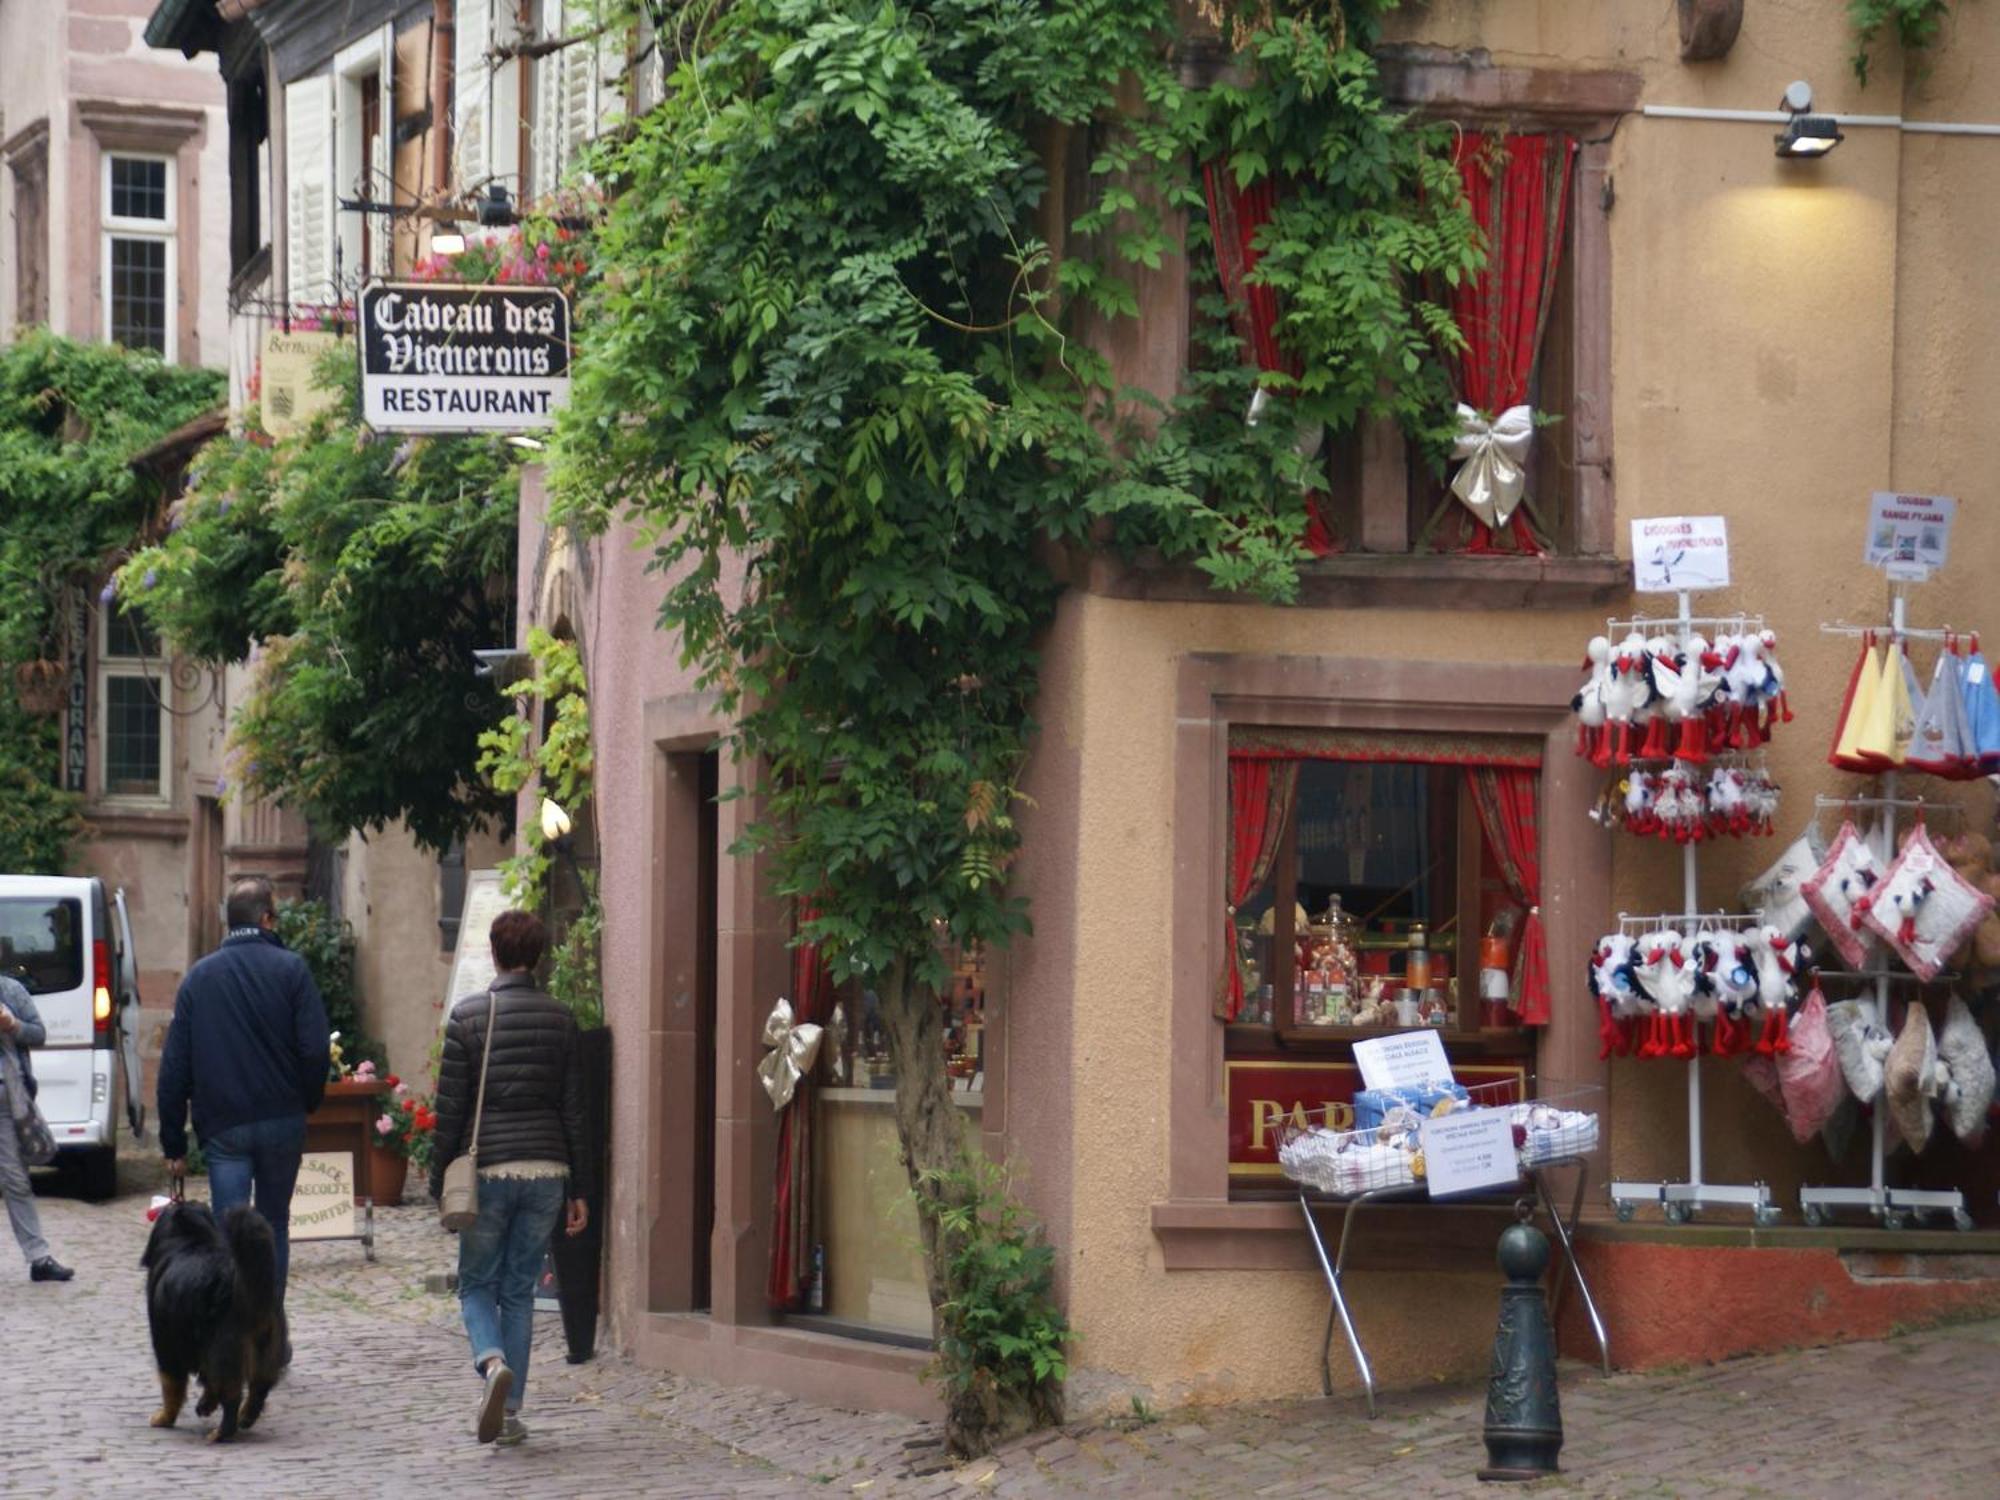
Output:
[[380, 1402]]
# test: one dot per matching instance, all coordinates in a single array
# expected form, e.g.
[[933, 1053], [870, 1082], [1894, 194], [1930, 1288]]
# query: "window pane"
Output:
[[131, 738], [139, 294], [41, 943], [138, 188], [128, 635]]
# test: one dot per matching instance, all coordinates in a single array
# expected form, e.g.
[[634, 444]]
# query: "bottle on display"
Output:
[[816, 1289]]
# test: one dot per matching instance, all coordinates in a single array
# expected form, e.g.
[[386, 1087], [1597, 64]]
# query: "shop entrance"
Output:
[[682, 1218]]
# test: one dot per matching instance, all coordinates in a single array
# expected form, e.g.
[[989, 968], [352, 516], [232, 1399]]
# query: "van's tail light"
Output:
[[100, 1000]]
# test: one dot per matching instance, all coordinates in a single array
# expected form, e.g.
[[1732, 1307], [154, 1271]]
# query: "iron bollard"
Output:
[[1524, 1430]]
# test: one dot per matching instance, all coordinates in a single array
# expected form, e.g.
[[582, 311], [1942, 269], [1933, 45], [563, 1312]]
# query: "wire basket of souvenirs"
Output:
[[1345, 1163], [1558, 1127]]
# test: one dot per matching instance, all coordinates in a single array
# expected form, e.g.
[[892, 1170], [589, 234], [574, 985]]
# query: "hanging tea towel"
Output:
[[1909, 1078], [1963, 1057]]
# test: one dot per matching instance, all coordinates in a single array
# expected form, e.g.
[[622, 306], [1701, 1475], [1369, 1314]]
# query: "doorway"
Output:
[[685, 904]]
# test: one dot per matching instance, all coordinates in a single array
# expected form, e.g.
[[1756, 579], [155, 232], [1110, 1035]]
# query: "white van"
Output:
[[72, 949]]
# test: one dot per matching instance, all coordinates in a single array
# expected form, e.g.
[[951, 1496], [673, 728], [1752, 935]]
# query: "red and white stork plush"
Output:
[[1778, 959], [1593, 735], [1662, 970]]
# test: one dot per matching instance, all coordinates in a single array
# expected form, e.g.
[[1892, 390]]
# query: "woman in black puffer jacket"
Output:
[[531, 1158]]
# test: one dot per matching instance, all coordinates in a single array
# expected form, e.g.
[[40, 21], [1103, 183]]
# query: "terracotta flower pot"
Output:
[[390, 1169]]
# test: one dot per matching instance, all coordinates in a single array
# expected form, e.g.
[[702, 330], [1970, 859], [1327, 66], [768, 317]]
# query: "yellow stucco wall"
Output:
[[1785, 340]]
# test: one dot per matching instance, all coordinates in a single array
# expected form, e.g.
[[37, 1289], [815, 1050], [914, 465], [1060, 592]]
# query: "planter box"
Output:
[[345, 1121]]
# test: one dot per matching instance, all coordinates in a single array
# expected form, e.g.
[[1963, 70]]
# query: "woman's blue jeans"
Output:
[[499, 1261]]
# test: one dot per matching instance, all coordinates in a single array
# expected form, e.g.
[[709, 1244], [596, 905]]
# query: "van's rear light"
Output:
[[100, 1000]]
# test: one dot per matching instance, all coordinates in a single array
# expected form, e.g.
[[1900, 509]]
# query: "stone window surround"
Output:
[[1197, 1225], [26, 154], [1380, 571], [107, 128]]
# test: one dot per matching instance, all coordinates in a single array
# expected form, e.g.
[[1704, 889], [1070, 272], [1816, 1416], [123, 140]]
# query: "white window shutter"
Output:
[[579, 106], [503, 158], [612, 58], [309, 189], [545, 169], [381, 167], [471, 92]]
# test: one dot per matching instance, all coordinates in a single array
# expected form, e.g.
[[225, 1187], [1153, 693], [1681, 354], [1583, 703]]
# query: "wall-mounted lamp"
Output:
[[1807, 135], [446, 241], [495, 208]]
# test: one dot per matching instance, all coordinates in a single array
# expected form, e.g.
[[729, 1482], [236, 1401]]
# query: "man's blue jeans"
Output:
[[260, 1158], [499, 1261]]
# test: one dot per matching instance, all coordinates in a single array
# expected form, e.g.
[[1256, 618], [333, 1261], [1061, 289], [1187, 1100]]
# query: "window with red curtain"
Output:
[[1375, 836], [1517, 186], [1235, 214], [792, 1201]]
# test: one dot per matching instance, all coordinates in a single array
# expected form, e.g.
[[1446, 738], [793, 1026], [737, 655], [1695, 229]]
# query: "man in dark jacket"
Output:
[[249, 1048]]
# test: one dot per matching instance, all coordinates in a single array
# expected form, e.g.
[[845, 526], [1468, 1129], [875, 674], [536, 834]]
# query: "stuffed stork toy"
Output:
[[1663, 972]]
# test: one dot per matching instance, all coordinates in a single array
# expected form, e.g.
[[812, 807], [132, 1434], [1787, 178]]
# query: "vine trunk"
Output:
[[978, 1414]]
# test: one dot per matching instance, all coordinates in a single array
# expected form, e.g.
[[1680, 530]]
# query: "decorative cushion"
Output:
[[1861, 1045], [1922, 907], [1848, 873], [1809, 1074], [1776, 896], [1909, 1077], [1962, 1052]]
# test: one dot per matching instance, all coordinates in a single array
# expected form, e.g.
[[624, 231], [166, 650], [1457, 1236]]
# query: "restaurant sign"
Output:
[[443, 358], [1263, 1097]]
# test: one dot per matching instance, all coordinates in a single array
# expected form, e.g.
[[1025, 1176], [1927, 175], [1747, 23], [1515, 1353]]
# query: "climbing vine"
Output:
[[1914, 23], [72, 418], [560, 768], [359, 572], [841, 363]]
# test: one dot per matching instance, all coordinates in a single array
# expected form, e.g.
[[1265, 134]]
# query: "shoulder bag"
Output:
[[458, 1204], [31, 1131]]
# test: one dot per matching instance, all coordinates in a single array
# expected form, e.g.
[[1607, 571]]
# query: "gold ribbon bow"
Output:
[[793, 1049], [1495, 471]]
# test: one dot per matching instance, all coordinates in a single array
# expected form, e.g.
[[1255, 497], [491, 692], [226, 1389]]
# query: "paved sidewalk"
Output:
[[380, 1400]]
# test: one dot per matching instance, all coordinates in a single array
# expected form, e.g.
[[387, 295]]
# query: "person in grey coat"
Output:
[[21, 1026]]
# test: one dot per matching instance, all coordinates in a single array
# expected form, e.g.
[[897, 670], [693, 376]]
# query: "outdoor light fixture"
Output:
[[532, 445], [447, 242], [507, 663], [496, 209], [555, 822], [1807, 135]]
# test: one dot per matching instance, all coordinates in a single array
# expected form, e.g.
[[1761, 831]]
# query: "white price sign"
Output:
[[1469, 1149], [1407, 1060], [1909, 536], [1672, 553]]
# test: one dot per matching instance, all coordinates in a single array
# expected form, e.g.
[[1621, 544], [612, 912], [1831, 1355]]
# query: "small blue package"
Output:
[[1370, 1105]]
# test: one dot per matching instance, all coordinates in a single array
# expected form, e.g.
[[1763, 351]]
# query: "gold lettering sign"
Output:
[[288, 398]]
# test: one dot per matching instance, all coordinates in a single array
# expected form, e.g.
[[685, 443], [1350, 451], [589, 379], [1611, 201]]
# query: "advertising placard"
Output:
[[323, 1199], [1671, 553], [1909, 536], [1468, 1150], [448, 358], [287, 398], [1406, 1060]]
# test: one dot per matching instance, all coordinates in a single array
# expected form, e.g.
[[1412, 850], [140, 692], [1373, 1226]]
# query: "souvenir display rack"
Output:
[[1679, 1201], [1568, 1147], [1897, 1208]]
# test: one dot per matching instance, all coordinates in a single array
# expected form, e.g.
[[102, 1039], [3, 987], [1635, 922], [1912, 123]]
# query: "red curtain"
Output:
[[1508, 813], [1235, 214], [1260, 802], [791, 1213], [1517, 187]]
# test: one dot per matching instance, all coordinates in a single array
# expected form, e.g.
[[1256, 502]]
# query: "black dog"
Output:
[[212, 1300]]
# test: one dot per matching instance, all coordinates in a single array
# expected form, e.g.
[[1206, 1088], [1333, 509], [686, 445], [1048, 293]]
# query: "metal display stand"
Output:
[[1680, 1201], [1896, 1207], [1335, 1267]]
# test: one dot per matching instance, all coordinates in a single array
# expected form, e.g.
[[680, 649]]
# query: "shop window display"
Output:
[[863, 1270], [1373, 884]]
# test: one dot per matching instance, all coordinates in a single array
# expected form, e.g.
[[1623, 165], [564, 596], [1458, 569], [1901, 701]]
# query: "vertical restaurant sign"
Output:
[[287, 398], [76, 751], [1263, 1096], [448, 358]]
